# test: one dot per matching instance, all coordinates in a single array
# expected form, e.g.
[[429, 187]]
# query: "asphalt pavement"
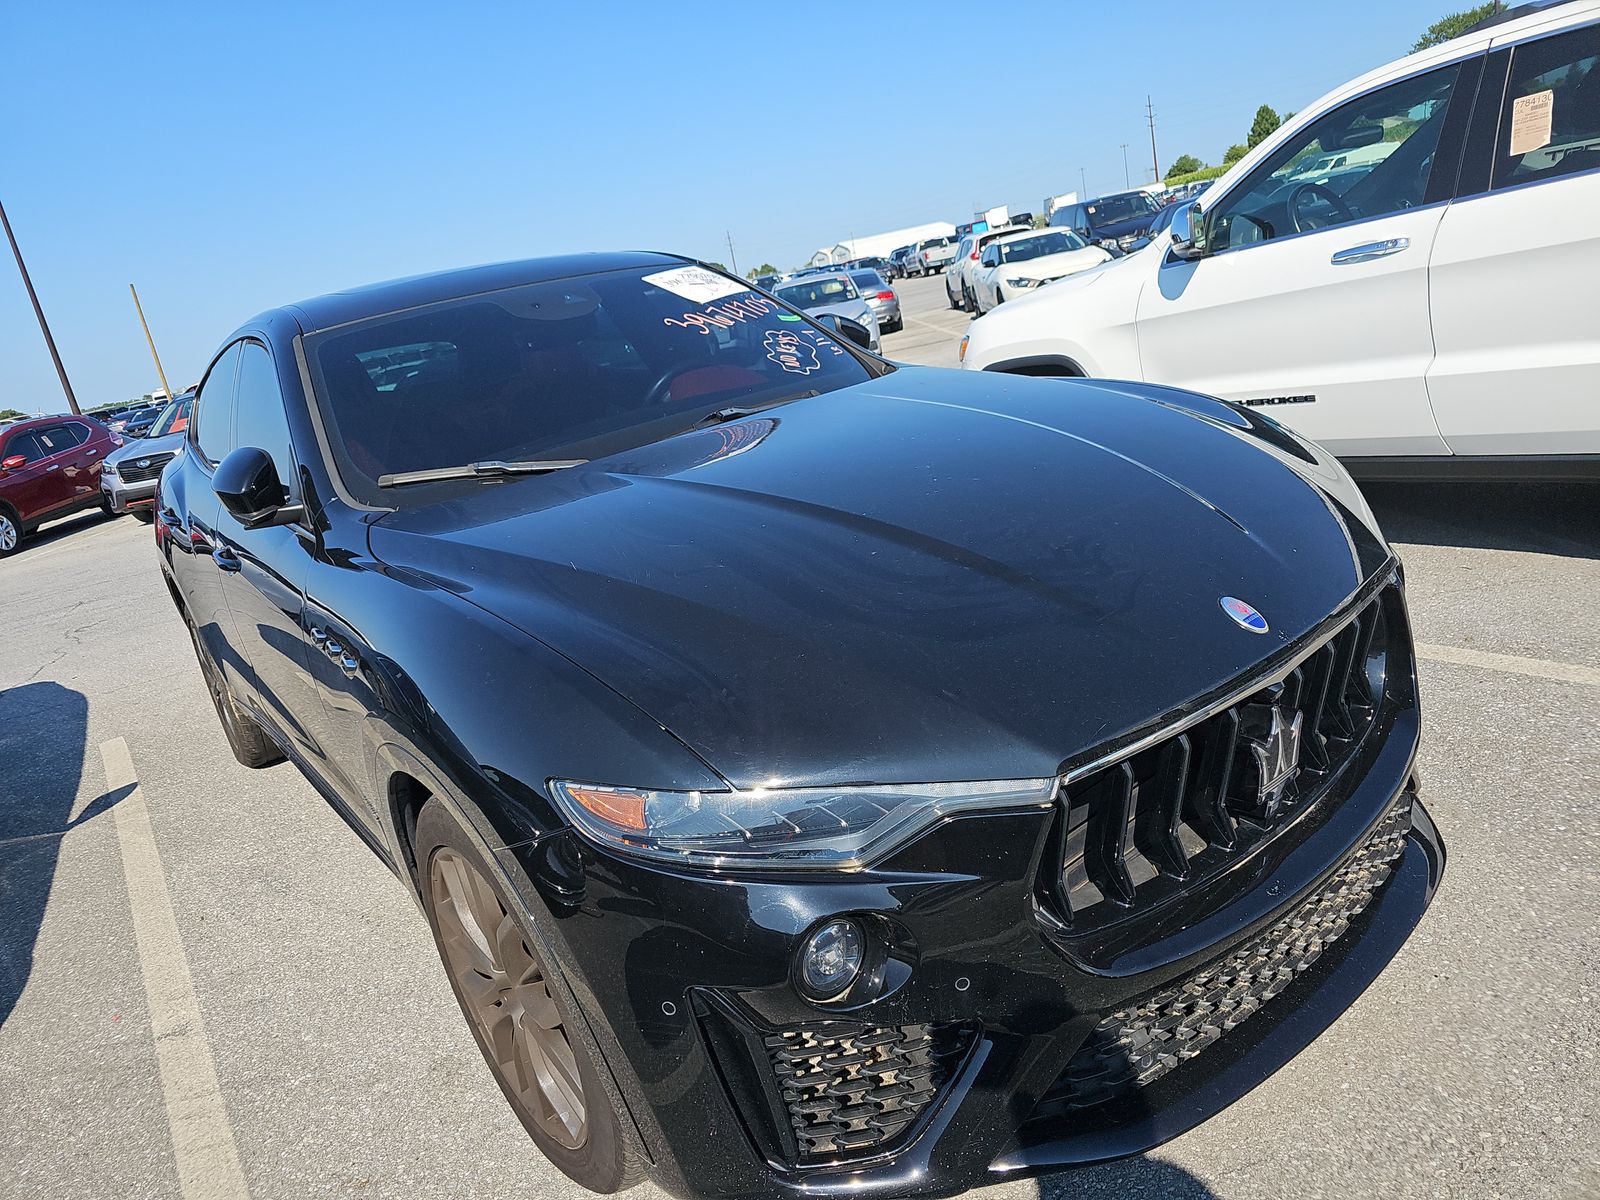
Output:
[[209, 987]]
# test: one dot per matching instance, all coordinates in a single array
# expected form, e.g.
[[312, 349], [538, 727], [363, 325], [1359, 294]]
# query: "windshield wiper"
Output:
[[492, 469], [738, 412]]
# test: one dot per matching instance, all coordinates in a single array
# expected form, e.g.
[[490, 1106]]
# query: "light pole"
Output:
[[1127, 179], [66, 385], [1083, 184]]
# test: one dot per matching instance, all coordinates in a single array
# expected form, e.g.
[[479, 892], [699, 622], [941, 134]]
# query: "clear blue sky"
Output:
[[227, 160]]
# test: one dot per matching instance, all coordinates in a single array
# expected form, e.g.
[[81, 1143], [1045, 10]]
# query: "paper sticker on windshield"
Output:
[[697, 284], [785, 348], [1530, 121]]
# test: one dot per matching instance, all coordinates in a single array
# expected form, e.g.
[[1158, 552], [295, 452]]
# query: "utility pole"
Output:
[[1155, 163], [66, 386], [1127, 180], [160, 370], [733, 259], [1083, 184]]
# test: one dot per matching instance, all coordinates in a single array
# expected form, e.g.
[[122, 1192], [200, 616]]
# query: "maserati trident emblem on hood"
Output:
[[1242, 614], [1277, 760]]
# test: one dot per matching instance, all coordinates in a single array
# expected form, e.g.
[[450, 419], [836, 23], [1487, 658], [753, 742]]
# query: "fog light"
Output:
[[831, 959]]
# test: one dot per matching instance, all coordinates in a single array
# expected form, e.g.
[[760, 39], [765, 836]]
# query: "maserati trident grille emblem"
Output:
[[1277, 760]]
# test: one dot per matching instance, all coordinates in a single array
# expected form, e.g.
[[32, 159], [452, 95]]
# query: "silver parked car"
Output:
[[831, 293], [128, 475], [883, 298]]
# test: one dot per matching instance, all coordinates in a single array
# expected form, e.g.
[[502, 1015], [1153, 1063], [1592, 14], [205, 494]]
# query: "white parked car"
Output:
[[1018, 263], [958, 279], [1427, 310]]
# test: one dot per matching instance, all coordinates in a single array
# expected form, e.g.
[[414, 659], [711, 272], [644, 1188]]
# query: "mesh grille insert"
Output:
[[853, 1090], [1139, 1044]]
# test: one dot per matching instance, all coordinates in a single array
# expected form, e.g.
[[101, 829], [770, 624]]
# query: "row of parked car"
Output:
[[56, 467]]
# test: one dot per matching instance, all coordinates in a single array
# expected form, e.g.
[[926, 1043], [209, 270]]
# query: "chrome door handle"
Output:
[[1370, 251], [53, 467]]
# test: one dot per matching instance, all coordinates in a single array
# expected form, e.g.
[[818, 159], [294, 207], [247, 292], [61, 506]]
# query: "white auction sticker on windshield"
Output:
[[697, 284], [1530, 121]]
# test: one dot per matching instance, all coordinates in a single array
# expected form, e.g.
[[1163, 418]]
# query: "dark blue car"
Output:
[[1122, 220]]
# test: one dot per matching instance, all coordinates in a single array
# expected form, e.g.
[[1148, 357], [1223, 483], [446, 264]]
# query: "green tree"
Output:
[[10, 414], [1182, 165], [1266, 121], [763, 269], [719, 266], [1234, 153], [1454, 25]]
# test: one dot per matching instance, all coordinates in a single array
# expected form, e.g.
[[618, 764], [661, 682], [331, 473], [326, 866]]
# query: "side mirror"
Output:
[[251, 491], [1188, 232], [12, 462], [845, 327]]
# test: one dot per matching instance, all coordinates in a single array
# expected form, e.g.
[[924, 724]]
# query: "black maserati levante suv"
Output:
[[821, 777]]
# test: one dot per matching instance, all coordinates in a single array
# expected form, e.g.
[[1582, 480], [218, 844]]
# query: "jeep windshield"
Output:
[[576, 368]]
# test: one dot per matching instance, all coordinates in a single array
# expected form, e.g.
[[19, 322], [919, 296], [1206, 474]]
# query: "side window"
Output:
[[26, 445], [211, 428], [1367, 158], [80, 433], [259, 419], [1550, 122], [53, 439]]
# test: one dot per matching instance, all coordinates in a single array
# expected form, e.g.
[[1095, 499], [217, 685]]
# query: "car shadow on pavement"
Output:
[[1542, 518], [1141, 1176], [43, 727]]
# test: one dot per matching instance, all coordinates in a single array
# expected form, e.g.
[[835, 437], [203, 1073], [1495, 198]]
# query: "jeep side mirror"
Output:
[[1188, 232], [248, 483]]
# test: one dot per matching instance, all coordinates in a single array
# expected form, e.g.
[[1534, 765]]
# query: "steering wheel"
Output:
[[661, 389], [1341, 210]]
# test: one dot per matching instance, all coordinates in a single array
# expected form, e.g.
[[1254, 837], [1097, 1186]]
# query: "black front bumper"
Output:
[[963, 1071]]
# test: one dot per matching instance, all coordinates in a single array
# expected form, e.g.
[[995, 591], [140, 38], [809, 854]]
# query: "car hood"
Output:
[[1054, 266], [934, 575], [857, 310], [167, 443]]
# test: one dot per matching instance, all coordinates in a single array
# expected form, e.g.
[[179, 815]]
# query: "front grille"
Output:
[[852, 1090], [131, 473], [1144, 829], [1137, 1045]]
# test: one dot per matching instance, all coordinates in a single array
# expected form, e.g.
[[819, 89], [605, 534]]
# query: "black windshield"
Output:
[[576, 368]]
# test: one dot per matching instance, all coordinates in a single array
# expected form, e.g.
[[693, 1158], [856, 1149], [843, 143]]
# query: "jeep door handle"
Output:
[[1370, 251], [225, 558]]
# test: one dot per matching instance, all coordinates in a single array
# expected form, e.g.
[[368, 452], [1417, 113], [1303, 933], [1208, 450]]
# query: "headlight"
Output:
[[835, 829], [108, 468], [1023, 283]]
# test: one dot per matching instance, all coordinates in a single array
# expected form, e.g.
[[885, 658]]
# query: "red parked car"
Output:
[[49, 468]]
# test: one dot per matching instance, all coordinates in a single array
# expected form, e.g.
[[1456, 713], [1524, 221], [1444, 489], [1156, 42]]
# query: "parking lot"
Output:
[[203, 969]]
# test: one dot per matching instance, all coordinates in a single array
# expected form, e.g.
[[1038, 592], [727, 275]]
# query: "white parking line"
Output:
[[202, 1140], [1539, 668]]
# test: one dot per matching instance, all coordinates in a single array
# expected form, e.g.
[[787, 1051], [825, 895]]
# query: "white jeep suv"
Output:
[[1426, 305]]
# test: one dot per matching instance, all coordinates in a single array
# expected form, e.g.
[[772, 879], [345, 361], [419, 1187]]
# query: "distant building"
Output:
[[1051, 203], [878, 245]]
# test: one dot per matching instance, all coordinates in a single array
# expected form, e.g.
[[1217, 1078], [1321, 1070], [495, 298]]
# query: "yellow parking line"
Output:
[[1538, 668], [202, 1140]]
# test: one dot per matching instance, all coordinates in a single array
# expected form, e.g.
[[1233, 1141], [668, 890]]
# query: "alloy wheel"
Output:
[[8, 534], [504, 991]]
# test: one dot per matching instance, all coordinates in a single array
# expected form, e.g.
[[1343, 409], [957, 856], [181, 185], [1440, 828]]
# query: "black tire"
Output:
[[954, 300], [969, 302], [11, 532], [999, 299], [248, 741], [603, 1160], [105, 507]]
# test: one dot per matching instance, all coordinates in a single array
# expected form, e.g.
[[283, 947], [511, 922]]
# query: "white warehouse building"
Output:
[[879, 244]]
